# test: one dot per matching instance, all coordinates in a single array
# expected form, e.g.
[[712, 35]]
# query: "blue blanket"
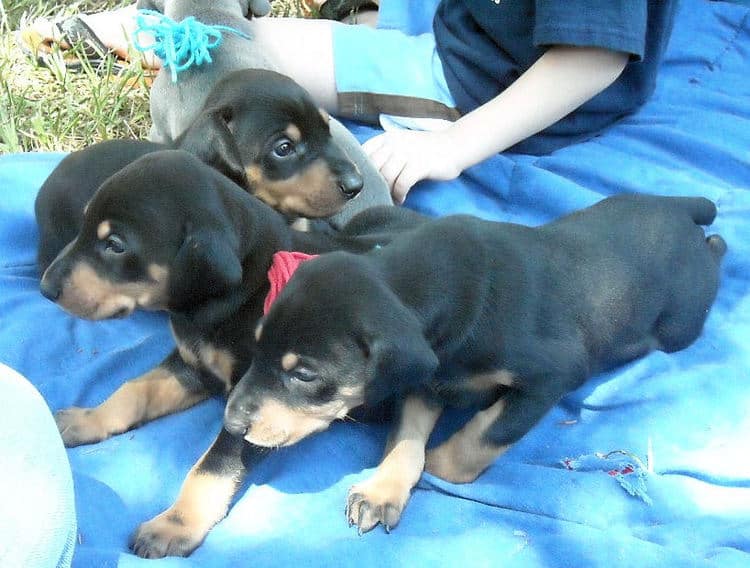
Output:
[[644, 466]]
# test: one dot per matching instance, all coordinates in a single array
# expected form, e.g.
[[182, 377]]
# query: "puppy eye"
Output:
[[113, 244], [303, 374], [283, 148]]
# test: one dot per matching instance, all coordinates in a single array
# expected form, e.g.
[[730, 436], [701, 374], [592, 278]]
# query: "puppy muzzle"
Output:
[[238, 416]]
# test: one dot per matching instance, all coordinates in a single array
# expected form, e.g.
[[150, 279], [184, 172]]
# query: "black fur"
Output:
[[244, 119], [459, 297], [215, 244]]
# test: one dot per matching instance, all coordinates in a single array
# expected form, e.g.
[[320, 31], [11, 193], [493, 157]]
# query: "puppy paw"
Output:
[[455, 465], [376, 501], [79, 426], [165, 535]]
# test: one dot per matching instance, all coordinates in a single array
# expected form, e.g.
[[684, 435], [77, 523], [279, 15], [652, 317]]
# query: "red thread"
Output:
[[282, 268]]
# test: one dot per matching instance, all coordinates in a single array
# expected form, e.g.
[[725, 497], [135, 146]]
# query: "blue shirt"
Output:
[[485, 45]]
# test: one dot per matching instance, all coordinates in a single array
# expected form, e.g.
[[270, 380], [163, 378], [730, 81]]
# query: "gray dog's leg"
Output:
[[375, 190]]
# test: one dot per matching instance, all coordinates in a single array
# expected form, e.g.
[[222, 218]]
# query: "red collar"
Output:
[[283, 265]]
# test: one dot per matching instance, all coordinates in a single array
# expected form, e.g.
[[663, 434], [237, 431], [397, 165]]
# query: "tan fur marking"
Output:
[[301, 224], [324, 114], [153, 394], [293, 132], [289, 361], [158, 273], [187, 354], [489, 381], [258, 331], [277, 424], [103, 230], [312, 193], [465, 455], [202, 502], [254, 174], [385, 494], [220, 362], [156, 294], [88, 295]]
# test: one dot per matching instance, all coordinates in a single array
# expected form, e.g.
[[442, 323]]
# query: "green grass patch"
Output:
[[51, 108]]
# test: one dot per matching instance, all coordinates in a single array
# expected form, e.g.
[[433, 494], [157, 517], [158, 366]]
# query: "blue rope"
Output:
[[179, 45]]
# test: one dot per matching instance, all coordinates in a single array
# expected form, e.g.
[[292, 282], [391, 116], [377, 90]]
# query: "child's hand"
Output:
[[405, 157]]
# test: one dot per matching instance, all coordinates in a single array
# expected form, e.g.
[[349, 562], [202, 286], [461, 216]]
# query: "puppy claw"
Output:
[[350, 501], [367, 507], [391, 517]]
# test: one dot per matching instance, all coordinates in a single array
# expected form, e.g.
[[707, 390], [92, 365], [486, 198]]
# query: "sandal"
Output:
[[82, 43], [340, 9]]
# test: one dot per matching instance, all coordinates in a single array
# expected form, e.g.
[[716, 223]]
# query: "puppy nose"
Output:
[[351, 183], [49, 290], [238, 417]]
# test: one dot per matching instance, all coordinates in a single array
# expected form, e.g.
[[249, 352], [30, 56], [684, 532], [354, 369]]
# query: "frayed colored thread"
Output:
[[179, 45], [626, 468]]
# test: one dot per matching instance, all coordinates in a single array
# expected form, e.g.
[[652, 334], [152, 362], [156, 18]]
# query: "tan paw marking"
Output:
[[467, 453], [374, 501], [79, 426], [165, 535]]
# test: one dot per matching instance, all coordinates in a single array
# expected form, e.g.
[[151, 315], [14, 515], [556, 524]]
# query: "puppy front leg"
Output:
[[168, 388], [203, 501], [472, 449], [382, 498]]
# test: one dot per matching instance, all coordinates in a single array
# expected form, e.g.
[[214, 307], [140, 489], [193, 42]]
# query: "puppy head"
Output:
[[336, 338], [264, 131], [152, 237]]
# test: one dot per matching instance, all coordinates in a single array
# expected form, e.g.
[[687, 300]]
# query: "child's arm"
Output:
[[560, 81]]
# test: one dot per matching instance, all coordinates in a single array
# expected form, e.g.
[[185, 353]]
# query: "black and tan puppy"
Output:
[[463, 311], [176, 104], [259, 128], [264, 131], [168, 232], [64, 194]]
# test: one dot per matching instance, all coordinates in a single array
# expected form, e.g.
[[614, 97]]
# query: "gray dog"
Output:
[[175, 105]]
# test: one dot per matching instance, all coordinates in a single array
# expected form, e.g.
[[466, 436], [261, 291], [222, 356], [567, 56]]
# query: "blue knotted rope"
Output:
[[179, 45]]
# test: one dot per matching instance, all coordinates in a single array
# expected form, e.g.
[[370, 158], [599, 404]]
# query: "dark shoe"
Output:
[[340, 9], [83, 44]]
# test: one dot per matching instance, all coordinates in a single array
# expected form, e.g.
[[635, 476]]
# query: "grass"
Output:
[[53, 109], [50, 108]]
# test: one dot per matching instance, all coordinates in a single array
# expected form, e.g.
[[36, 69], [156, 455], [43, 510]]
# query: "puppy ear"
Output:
[[210, 139], [402, 361], [205, 266]]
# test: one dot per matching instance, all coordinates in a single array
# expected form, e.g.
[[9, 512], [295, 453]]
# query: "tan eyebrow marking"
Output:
[[294, 132], [289, 361], [103, 230]]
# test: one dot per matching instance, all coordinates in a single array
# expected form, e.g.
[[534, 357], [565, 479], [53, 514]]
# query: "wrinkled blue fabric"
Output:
[[692, 408]]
